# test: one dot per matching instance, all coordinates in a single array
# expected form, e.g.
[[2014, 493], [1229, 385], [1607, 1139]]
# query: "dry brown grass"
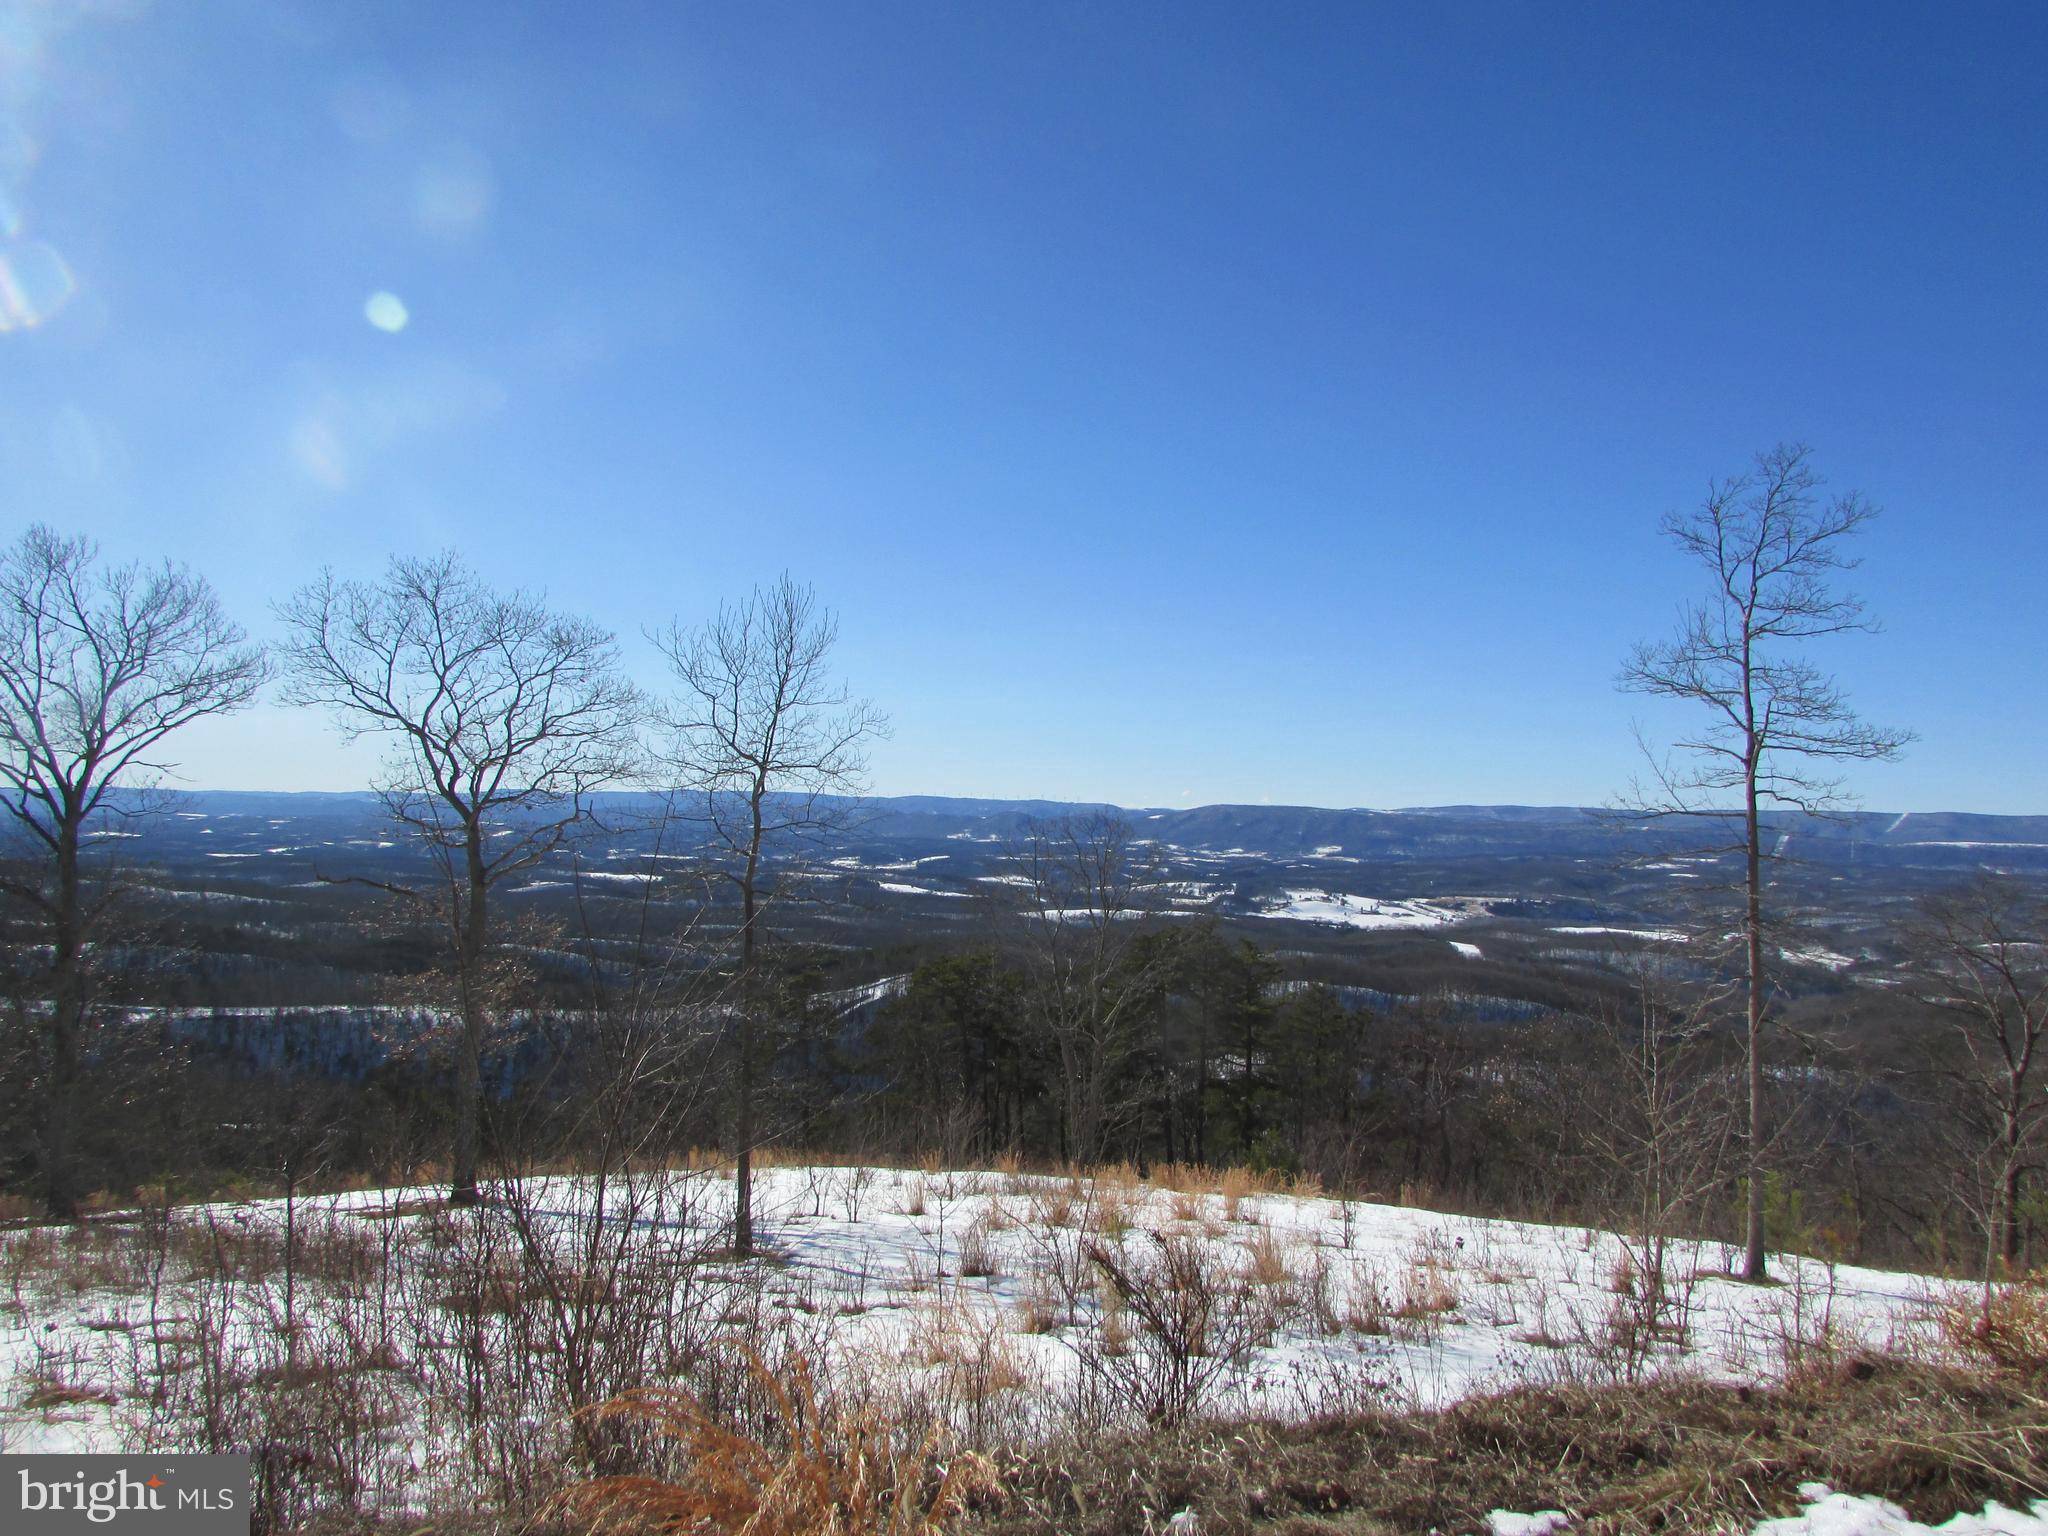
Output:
[[1182, 1178], [979, 1257], [1266, 1259], [1236, 1185], [17, 1208], [815, 1469], [2009, 1328], [1041, 1308], [1113, 1210], [1673, 1457], [1053, 1205], [1121, 1176]]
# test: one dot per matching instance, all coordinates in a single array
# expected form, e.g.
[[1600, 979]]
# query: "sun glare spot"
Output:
[[10, 216], [34, 284], [386, 311]]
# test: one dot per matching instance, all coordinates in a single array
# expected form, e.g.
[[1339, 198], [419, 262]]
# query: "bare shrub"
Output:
[[1429, 1286], [1367, 1308], [1197, 1324]]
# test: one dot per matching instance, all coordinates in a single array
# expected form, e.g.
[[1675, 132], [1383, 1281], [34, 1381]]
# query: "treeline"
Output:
[[1088, 1029]]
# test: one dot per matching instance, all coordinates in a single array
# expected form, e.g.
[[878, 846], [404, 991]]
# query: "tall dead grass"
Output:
[[814, 1468]]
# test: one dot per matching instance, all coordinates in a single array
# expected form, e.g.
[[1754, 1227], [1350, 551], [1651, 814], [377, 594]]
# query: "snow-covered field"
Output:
[[1348, 911], [935, 1284]]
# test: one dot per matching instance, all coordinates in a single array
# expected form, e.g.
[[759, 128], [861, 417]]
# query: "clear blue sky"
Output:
[[1179, 402]]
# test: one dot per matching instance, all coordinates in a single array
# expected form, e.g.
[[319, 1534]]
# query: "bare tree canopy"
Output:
[[771, 748], [494, 705], [1776, 726], [1976, 957], [1770, 544], [502, 717], [759, 728], [99, 665], [1081, 884]]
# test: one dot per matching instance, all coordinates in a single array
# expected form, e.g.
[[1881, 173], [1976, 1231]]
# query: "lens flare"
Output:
[[386, 311], [34, 284]]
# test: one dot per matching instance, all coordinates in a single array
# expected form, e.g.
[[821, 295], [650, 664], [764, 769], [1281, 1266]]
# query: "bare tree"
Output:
[[1656, 1112], [98, 666], [1776, 726], [771, 749], [502, 718], [1976, 955], [1082, 885]]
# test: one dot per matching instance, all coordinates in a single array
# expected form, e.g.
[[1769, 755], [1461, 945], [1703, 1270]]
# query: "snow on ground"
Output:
[[1650, 935], [880, 1267], [1826, 959], [1956, 843], [1348, 911], [1469, 951], [1829, 1513]]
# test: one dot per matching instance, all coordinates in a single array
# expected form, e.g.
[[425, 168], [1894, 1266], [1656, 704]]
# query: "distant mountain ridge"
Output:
[[1935, 839]]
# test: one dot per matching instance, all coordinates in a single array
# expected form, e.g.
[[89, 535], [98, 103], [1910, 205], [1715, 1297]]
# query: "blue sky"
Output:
[[1180, 403]]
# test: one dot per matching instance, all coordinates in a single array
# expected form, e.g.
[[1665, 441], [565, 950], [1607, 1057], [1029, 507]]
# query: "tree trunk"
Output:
[[469, 1086], [1753, 1267], [59, 1152], [743, 1164], [2009, 1197]]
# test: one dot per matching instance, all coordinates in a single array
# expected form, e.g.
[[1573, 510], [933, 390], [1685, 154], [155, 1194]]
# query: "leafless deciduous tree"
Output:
[[1082, 885], [1976, 955], [98, 666], [502, 718], [769, 748], [1776, 728], [1657, 1110]]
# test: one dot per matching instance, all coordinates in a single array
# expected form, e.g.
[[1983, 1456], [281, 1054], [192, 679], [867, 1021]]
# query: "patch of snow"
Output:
[[1827, 959], [1347, 911], [1653, 935], [1956, 843], [1828, 1513]]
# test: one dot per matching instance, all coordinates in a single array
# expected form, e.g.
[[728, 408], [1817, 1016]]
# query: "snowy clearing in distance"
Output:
[[1347, 911], [1650, 935]]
